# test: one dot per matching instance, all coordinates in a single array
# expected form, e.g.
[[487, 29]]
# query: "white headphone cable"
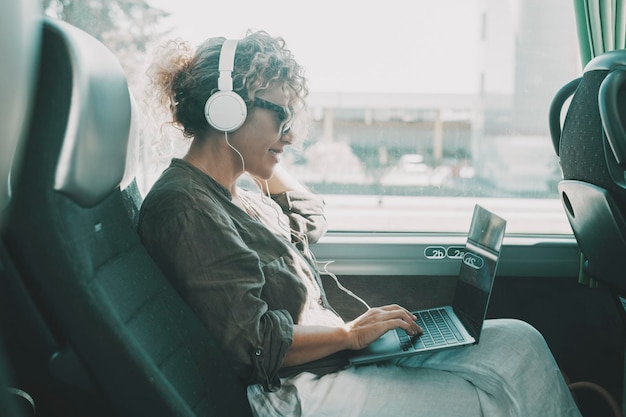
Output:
[[299, 236], [243, 163], [339, 285], [303, 238]]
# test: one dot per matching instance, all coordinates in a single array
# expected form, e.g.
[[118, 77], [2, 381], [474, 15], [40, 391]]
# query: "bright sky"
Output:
[[416, 46]]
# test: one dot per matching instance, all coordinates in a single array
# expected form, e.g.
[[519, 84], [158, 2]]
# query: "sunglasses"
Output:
[[279, 110]]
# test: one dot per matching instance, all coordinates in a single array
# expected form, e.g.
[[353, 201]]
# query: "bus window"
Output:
[[417, 109]]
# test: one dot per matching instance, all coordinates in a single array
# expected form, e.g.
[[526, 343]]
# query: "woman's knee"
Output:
[[514, 330]]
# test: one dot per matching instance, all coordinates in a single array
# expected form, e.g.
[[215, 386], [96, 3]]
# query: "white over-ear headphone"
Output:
[[225, 110]]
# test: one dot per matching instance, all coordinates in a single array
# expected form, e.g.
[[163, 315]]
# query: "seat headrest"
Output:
[[20, 39], [606, 61], [92, 160]]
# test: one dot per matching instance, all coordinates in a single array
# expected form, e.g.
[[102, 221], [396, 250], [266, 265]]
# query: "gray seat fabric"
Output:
[[71, 234], [592, 151]]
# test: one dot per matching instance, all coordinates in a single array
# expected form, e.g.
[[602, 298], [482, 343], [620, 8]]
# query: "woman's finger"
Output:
[[390, 318]]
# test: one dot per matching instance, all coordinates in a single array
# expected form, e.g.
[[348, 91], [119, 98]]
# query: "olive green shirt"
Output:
[[248, 276]]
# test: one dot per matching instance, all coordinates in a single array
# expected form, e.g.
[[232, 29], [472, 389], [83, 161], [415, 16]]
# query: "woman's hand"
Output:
[[315, 342], [377, 321], [280, 182]]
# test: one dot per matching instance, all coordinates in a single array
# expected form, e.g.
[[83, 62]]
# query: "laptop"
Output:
[[460, 323]]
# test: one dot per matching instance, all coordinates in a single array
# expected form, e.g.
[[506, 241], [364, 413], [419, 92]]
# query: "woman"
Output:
[[241, 259]]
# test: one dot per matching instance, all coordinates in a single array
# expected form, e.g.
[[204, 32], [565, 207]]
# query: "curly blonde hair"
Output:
[[184, 79]]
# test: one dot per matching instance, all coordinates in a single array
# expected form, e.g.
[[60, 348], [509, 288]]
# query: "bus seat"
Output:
[[19, 42], [592, 153], [71, 235]]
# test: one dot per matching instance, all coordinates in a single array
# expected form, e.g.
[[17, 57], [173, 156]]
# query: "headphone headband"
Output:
[[227, 65]]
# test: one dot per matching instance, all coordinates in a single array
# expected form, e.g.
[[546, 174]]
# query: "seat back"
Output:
[[19, 43], [71, 235], [592, 151]]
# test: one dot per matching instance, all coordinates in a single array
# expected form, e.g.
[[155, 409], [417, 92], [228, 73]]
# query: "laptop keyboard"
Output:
[[438, 331]]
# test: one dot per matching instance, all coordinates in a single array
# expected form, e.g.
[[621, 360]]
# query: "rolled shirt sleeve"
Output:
[[305, 211]]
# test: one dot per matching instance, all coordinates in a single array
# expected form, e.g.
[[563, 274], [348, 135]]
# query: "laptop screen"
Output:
[[478, 269]]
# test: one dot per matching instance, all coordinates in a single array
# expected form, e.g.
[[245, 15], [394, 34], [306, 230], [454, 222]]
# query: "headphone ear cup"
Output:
[[225, 111]]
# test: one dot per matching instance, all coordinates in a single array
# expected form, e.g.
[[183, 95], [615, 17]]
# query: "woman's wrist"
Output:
[[350, 338], [282, 182]]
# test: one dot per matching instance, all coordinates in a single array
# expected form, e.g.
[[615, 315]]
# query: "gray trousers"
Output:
[[511, 372]]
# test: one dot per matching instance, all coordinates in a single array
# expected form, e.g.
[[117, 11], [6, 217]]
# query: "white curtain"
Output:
[[601, 26]]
